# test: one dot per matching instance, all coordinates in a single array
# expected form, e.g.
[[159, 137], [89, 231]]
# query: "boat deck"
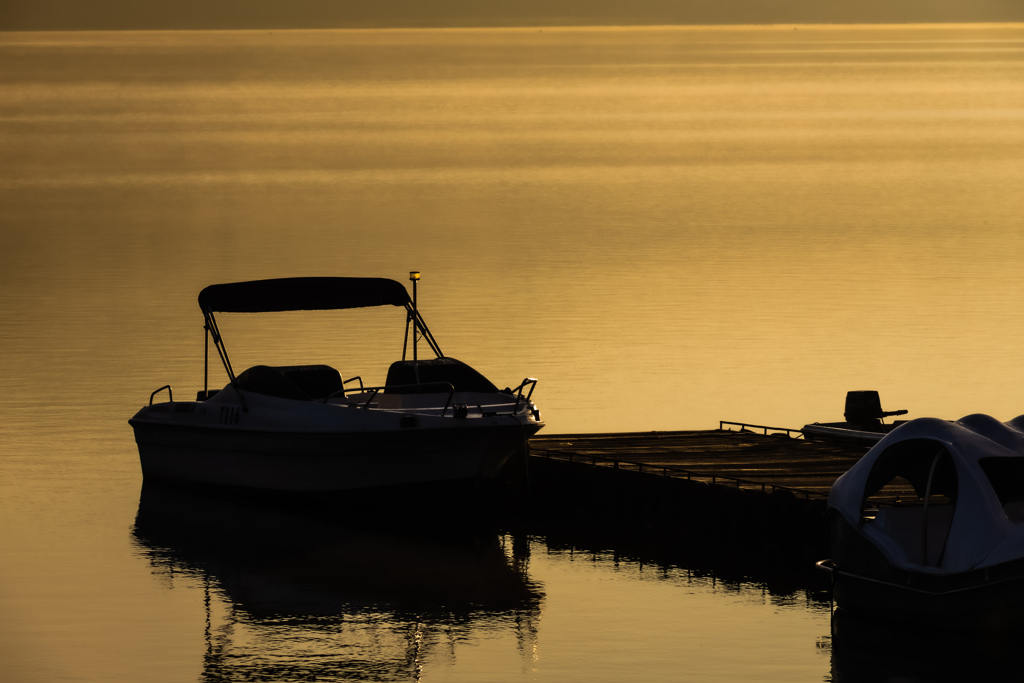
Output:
[[741, 458]]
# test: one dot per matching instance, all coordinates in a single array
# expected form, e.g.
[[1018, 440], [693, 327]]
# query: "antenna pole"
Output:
[[206, 360], [414, 275]]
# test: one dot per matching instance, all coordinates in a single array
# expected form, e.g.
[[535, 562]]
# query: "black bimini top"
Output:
[[302, 294]]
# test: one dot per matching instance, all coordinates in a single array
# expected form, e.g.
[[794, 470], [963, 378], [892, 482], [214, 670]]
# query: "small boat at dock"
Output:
[[929, 525], [435, 424], [863, 424]]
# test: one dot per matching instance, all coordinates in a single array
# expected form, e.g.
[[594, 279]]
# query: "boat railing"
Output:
[[170, 394], [775, 431], [405, 388], [518, 391], [523, 393]]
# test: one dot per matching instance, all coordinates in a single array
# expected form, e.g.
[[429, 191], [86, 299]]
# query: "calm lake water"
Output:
[[667, 226]]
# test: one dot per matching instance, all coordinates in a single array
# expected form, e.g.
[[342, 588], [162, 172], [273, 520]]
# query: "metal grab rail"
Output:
[[744, 425], [376, 390], [518, 391], [170, 394]]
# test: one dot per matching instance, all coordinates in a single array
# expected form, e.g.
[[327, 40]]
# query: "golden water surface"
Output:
[[667, 227]]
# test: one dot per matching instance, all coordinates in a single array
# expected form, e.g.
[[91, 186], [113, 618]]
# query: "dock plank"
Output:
[[776, 461]]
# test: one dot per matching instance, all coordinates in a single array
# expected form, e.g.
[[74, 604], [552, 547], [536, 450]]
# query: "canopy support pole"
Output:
[[206, 360], [218, 342]]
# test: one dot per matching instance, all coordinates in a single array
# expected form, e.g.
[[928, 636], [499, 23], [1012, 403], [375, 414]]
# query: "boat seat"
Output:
[[297, 382]]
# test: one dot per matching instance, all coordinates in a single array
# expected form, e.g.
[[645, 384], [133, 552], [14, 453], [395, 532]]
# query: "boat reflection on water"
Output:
[[878, 651], [289, 596]]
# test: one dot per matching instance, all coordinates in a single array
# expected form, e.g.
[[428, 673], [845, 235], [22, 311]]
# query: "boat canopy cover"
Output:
[[302, 294], [983, 476]]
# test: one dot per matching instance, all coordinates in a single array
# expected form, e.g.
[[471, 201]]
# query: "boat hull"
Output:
[[866, 584], [324, 462], [843, 432], [986, 600], [259, 442]]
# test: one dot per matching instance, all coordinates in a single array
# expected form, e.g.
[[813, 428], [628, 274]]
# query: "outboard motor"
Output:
[[864, 409]]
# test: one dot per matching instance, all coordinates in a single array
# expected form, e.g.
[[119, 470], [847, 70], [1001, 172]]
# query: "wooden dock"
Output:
[[742, 502], [739, 458]]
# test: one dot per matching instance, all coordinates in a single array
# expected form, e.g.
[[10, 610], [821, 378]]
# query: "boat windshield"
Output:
[[909, 471], [910, 496]]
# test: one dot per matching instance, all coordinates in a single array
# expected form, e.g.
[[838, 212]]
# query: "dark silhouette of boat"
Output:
[[863, 424], [929, 525], [436, 427]]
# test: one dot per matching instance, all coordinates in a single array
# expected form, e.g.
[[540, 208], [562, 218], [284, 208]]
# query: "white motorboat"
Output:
[[302, 429], [929, 524], [863, 425]]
